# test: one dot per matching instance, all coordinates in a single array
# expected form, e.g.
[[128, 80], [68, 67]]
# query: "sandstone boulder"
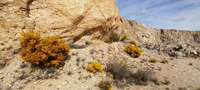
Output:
[[64, 18]]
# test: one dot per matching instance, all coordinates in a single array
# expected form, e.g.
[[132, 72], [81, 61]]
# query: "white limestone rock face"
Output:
[[73, 19]]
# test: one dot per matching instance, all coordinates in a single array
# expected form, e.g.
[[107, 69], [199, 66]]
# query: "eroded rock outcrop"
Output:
[[145, 34]]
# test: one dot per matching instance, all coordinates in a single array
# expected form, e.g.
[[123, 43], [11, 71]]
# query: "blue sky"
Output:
[[166, 14]]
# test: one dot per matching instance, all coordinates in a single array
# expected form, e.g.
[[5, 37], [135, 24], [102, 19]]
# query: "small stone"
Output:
[[8, 87], [1, 72], [193, 52], [9, 73], [74, 68], [110, 75], [34, 82], [50, 70], [64, 83], [174, 84]]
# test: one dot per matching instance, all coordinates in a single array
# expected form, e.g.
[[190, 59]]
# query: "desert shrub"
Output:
[[142, 77], [113, 37], [164, 61], [105, 85], [29, 40], [134, 51], [118, 69], [153, 60], [75, 46], [124, 37], [47, 51], [123, 75], [96, 66]]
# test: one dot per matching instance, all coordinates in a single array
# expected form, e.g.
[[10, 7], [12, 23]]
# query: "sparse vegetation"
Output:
[[164, 61], [75, 46], [134, 51], [123, 75], [105, 85], [118, 69], [47, 51], [153, 60], [113, 37], [96, 66], [142, 77]]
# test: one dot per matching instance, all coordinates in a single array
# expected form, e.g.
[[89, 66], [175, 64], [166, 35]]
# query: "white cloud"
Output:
[[178, 19], [144, 11]]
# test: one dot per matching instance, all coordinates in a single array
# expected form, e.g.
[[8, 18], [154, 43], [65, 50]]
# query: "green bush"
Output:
[[47, 51], [113, 37]]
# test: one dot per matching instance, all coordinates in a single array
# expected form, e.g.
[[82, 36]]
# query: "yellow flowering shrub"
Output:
[[124, 37], [164, 61], [153, 60], [134, 51], [96, 66], [47, 51], [90, 68]]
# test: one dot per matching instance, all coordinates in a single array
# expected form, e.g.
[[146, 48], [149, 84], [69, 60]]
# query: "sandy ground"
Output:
[[181, 73]]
